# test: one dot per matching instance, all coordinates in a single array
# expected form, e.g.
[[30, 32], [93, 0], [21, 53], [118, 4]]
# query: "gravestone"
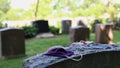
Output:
[[66, 24], [79, 33], [104, 33], [12, 43], [41, 25], [90, 55], [81, 23], [118, 21]]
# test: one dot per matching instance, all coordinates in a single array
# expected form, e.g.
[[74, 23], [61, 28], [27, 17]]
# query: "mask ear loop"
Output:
[[81, 56]]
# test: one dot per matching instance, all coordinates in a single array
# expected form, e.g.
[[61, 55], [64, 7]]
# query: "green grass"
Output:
[[37, 46], [116, 39]]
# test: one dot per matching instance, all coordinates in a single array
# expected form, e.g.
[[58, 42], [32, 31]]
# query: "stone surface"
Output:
[[12, 43], [45, 35], [41, 25], [104, 33], [79, 33], [66, 24], [91, 55]]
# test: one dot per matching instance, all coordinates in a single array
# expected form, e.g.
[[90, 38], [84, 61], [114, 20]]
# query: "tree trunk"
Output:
[[36, 10]]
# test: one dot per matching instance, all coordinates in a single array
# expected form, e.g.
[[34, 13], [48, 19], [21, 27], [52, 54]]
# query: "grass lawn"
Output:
[[37, 46]]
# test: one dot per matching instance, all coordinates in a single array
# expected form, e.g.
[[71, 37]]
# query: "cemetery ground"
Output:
[[36, 46]]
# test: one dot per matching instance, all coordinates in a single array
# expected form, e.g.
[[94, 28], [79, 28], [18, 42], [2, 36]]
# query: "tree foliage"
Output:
[[4, 7], [58, 8]]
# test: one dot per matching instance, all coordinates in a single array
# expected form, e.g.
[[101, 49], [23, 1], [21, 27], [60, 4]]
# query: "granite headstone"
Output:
[[41, 25], [12, 43], [79, 33]]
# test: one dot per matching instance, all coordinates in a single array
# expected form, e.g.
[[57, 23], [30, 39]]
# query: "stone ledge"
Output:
[[93, 56]]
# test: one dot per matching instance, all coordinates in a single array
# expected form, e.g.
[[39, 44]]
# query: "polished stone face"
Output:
[[12, 43], [41, 25]]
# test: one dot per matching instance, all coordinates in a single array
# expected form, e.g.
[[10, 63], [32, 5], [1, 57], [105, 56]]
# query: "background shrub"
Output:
[[3, 25], [97, 21], [30, 31], [54, 30]]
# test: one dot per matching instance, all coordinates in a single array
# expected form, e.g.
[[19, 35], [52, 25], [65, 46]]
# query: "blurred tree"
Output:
[[44, 9], [66, 8], [87, 3], [20, 14], [93, 8], [4, 7], [36, 9], [15, 14], [117, 6], [112, 11]]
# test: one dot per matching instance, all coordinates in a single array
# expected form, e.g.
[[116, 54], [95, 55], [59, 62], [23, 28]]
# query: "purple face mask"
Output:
[[59, 52]]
